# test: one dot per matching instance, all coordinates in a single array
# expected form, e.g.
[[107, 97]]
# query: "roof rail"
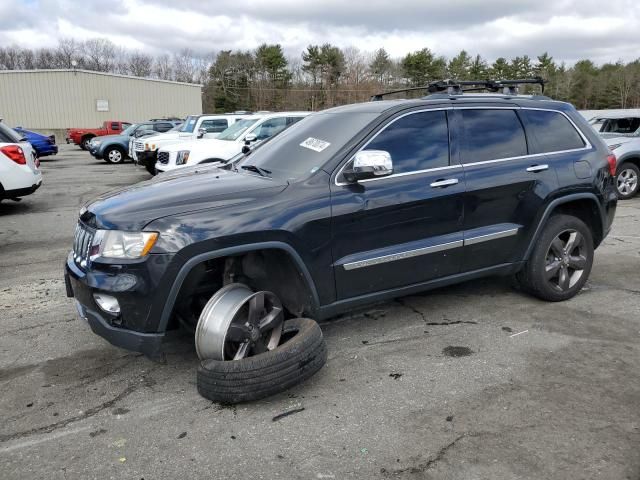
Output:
[[458, 87]]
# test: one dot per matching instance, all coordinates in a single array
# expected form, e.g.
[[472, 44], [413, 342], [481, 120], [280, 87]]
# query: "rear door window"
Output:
[[418, 141], [491, 135], [552, 131], [163, 127], [214, 125]]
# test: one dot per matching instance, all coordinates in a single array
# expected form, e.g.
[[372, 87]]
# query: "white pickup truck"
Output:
[[251, 130], [143, 151]]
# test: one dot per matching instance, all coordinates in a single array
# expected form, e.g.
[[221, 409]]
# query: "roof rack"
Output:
[[458, 87]]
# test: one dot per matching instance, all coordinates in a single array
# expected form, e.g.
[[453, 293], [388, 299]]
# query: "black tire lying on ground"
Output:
[[302, 353]]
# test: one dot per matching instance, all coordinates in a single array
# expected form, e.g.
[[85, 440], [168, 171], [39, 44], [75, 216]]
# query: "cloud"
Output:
[[568, 29]]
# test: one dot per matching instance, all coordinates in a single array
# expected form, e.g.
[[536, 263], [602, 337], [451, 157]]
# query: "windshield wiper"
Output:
[[253, 168]]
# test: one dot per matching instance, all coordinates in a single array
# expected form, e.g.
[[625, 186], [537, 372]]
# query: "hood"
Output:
[[188, 189], [104, 138]]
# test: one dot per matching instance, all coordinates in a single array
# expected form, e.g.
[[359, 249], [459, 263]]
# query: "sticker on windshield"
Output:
[[315, 144]]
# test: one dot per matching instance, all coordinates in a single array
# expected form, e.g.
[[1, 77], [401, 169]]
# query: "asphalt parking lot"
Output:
[[475, 381]]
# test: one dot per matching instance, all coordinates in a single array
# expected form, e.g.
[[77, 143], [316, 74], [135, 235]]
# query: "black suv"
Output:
[[350, 206]]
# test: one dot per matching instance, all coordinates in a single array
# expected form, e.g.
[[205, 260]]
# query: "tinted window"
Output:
[[115, 126], [552, 130], [163, 127], [292, 120], [270, 127], [415, 142], [214, 126], [492, 135]]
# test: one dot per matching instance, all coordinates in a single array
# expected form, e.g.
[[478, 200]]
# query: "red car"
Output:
[[82, 136]]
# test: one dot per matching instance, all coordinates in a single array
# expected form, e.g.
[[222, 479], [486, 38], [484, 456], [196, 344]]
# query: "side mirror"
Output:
[[369, 164], [202, 132], [252, 137], [246, 149]]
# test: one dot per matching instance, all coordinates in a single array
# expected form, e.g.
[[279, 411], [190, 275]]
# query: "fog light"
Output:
[[107, 303]]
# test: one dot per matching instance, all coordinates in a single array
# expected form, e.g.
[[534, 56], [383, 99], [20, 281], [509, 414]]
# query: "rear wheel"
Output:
[[113, 155], [627, 180], [84, 143], [561, 261]]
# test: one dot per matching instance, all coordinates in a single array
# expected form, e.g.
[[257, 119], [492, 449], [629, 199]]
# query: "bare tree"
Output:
[[162, 68], [100, 54], [67, 53], [140, 64]]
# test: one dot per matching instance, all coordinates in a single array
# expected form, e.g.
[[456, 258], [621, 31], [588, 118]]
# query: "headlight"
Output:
[[183, 157], [149, 146], [95, 143], [118, 244], [613, 147]]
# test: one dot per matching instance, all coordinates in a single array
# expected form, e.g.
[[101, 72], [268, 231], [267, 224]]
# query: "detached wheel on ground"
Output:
[[248, 352], [561, 261], [302, 353], [627, 180], [113, 155]]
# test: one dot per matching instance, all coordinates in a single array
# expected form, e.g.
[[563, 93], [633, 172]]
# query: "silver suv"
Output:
[[622, 135]]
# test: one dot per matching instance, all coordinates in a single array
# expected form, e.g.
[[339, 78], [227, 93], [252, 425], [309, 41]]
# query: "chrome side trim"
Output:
[[402, 255], [491, 236]]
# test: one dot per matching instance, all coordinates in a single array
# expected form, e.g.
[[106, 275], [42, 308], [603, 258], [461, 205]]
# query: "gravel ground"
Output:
[[476, 381]]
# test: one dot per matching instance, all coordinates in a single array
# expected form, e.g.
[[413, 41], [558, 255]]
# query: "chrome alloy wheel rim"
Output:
[[237, 323], [627, 181], [566, 260], [115, 156]]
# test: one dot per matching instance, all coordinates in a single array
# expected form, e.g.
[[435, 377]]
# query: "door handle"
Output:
[[538, 168], [444, 183]]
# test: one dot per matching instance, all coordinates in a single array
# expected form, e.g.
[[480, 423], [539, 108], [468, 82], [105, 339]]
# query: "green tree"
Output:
[[381, 65], [478, 69], [422, 66], [459, 67]]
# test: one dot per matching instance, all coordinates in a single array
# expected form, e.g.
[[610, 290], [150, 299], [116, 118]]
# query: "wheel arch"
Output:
[[631, 158], [191, 264], [582, 205]]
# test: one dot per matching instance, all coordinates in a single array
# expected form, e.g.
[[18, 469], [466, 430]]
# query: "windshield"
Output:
[[322, 134], [237, 129], [129, 131], [189, 124]]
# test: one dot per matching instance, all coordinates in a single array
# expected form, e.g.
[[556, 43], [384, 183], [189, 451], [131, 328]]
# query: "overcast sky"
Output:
[[568, 29]]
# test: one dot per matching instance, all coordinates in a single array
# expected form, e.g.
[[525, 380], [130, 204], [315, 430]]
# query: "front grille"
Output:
[[82, 244], [138, 146], [163, 157]]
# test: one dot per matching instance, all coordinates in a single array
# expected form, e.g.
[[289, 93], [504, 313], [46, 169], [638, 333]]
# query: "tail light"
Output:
[[611, 160], [15, 153]]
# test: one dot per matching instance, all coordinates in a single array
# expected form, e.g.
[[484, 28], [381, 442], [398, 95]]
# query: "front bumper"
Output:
[[134, 286]]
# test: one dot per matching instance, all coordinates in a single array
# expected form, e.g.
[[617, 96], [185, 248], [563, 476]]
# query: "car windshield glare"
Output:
[[130, 131], [308, 145], [189, 124], [237, 129]]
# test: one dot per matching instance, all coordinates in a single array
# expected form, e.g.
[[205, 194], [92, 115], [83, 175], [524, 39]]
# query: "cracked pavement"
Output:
[[561, 400]]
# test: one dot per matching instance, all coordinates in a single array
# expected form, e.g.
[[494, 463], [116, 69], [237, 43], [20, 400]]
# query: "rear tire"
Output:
[[302, 354], [627, 180], [114, 155], [561, 261], [84, 143]]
